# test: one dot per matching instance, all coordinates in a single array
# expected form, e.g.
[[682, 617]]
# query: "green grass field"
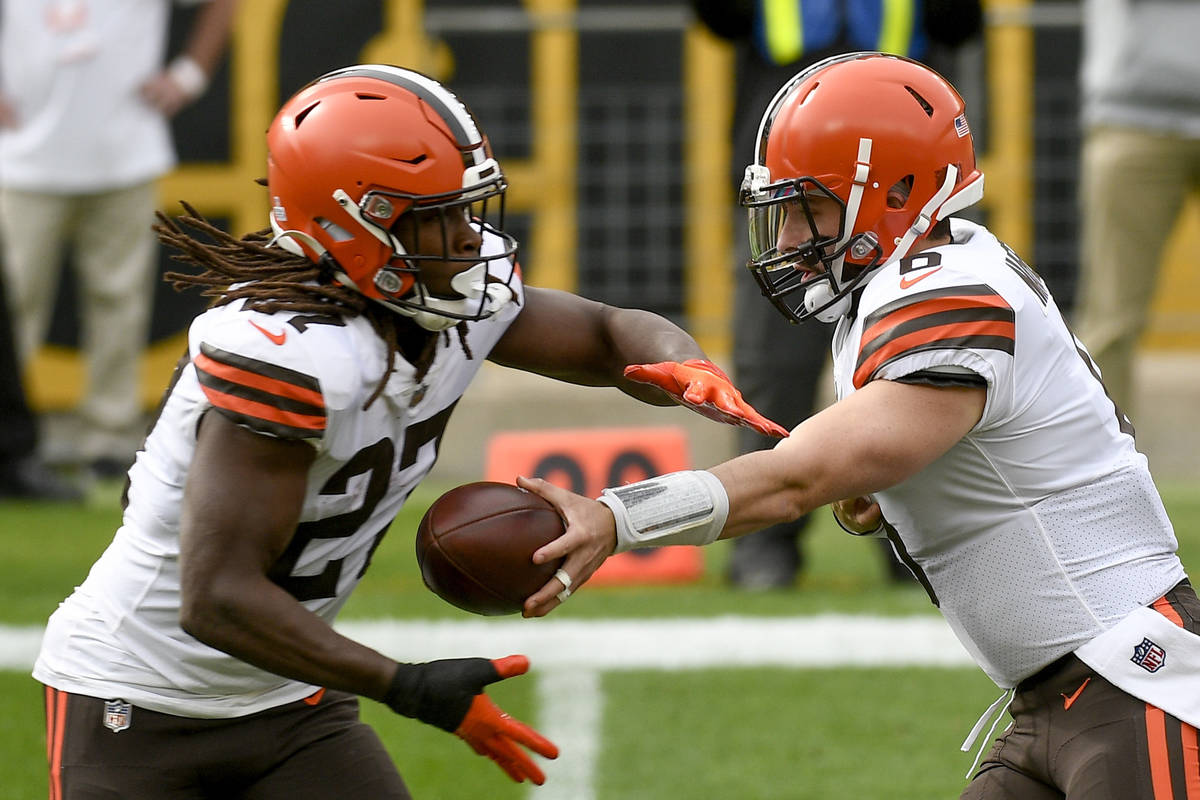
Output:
[[752, 732]]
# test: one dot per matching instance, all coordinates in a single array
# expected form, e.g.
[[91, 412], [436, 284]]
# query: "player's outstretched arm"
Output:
[[647, 356], [449, 695], [704, 387]]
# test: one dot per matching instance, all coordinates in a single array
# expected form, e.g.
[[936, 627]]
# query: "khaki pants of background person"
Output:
[[1133, 185], [114, 267]]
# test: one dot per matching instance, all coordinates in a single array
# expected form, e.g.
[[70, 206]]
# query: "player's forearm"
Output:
[[760, 495], [640, 337], [266, 627], [210, 33]]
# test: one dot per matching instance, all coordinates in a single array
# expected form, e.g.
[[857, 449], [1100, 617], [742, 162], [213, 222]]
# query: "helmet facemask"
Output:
[[473, 293], [823, 270]]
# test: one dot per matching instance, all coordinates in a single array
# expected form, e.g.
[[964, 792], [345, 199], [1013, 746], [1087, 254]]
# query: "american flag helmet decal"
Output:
[[961, 127]]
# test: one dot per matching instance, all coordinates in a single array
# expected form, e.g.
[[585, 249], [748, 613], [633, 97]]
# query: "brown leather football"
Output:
[[476, 542]]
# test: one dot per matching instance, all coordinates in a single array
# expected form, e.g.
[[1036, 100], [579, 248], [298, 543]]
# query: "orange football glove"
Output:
[[449, 694], [701, 386]]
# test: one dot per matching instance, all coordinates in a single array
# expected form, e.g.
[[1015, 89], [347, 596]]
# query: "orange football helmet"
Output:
[[354, 151], [854, 128]]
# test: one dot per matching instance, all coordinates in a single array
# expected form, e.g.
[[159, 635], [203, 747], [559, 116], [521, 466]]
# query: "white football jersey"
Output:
[[1042, 527], [291, 375]]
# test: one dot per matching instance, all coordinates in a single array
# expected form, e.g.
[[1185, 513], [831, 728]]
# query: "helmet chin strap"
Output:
[[822, 294], [290, 240], [479, 299], [924, 218]]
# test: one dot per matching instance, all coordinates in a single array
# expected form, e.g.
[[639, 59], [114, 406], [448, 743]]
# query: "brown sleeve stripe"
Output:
[[941, 319], [264, 396]]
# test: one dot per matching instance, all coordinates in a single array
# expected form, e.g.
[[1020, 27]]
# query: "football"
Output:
[[476, 542]]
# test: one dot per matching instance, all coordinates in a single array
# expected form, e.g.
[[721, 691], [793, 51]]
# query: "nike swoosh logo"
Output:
[[1070, 701], [907, 282], [276, 338]]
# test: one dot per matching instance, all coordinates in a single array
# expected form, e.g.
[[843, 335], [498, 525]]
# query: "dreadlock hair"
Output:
[[271, 279]]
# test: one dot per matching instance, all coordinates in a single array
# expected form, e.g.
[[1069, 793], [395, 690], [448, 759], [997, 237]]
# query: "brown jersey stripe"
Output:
[[290, 390], [978, 290], [251, 388], [981, 335], [898, 325], [265, 417], [266, 369], [934, 312]]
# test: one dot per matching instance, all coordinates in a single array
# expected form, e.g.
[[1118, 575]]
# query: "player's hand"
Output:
[[164, 93], [590, 537], [701, 386], [860, 516], [449, 694]]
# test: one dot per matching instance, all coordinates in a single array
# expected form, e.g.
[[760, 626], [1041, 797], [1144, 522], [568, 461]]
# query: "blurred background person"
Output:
[[23, 474], [1139, 163], [85, 102], [779, 367]]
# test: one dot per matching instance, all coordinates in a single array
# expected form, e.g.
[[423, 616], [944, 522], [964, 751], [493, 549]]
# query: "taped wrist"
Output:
[[677, 508], [189, 76], [438, 693]]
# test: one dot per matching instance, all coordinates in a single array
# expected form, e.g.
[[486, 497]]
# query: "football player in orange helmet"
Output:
[[883, 157], [972, 430], [310, 405], [360, 201]]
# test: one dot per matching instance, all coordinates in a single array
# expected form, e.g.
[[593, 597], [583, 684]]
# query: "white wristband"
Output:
[[677, 508], [189, 76]]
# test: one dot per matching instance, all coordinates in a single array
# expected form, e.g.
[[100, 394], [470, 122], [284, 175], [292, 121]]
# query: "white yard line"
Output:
[[570, 714], [569, 655], [679, 643], [673, 644]]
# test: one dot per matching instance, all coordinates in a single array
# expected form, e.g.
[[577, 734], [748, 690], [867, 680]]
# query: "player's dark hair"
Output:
[[941, 229], [271, 279]]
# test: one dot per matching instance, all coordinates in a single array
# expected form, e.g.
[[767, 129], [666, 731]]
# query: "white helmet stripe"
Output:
[[862, 170]]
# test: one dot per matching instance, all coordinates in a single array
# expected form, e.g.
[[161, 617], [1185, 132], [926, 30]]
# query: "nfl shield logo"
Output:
[[1149, 656], [117, 715]]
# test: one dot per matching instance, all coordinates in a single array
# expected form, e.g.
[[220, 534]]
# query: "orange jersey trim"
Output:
[[264, 411], [258, 381], [957, 317], [926, 307], [960, 331]]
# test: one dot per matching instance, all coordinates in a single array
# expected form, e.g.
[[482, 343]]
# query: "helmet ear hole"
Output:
[[335, 231], [898, 193]]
